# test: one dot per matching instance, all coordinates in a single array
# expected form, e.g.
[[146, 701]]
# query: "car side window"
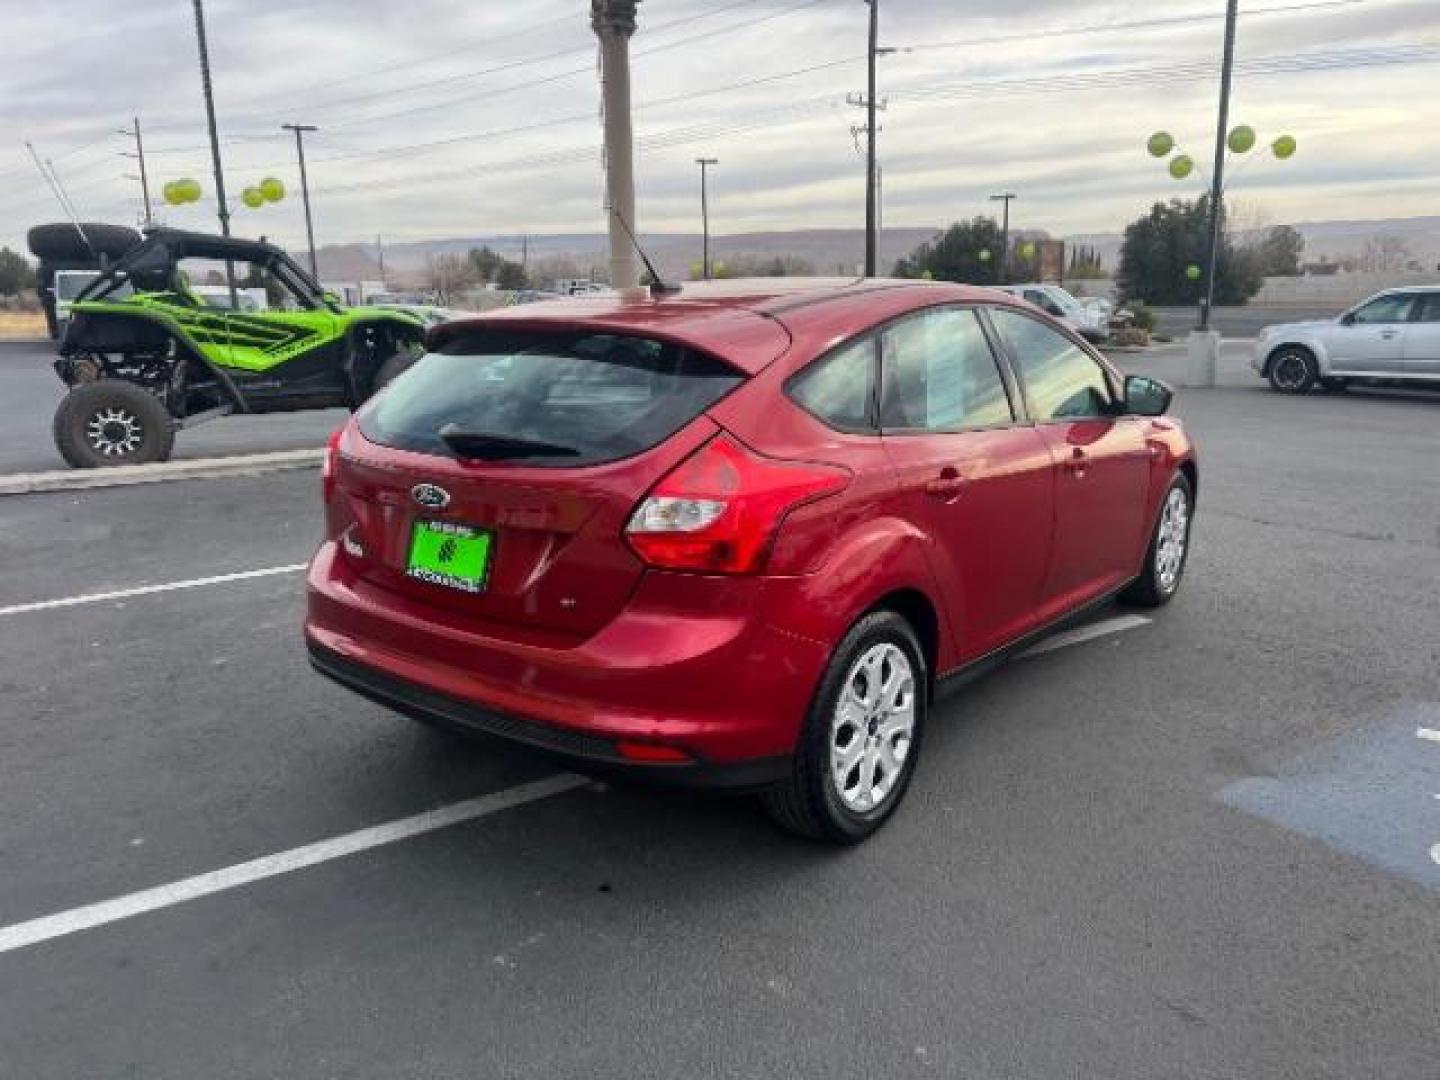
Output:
[[1387, 309], [940, 374], [1063, 381], [1430, 310], [837, 389]]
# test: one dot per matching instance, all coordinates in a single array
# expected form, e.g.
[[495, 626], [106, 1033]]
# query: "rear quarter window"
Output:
[[580, 398]]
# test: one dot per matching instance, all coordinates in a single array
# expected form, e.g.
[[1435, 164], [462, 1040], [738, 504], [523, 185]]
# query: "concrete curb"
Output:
[[163, 472]]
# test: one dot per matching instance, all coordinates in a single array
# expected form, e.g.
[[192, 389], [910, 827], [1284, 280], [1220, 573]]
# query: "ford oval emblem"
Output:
[[430, 496]]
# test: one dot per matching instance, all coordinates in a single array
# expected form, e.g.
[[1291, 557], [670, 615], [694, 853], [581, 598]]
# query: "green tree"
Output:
[[16, 273], [1278, 252], [491, 266], [955, 255], [1162, 245]]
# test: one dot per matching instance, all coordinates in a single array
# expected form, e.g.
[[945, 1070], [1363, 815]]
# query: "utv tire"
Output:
[[858, 714], [112, 422], [1169, 549], [395, 365]]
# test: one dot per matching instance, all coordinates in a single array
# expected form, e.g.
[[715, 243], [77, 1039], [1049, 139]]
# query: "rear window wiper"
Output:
[[489, 447]]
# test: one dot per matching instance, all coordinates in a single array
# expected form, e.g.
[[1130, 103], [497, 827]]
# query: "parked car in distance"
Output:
[[741, 535], [1392, 337], [1091, 322]]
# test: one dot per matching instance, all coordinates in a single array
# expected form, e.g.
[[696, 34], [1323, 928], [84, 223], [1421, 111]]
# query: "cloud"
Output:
[[441, 119]]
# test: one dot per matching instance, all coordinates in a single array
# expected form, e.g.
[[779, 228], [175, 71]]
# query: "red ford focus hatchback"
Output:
[[741, 536]]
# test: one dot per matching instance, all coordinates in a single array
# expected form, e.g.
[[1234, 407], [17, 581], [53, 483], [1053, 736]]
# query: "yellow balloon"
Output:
[[1160, 144], [1182, 166], [1027, 250], [172, 194], [1242, 139], [252, 198], [1284, 147], [272, 189]]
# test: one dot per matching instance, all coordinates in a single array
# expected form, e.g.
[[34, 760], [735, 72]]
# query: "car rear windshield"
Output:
[[548, 399]]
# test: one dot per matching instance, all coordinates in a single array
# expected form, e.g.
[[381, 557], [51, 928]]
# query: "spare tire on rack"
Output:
[[61, 242]]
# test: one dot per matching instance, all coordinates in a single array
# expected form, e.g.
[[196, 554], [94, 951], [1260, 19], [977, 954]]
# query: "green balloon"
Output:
[[1160, 144], [252, 198], [1241, 140], [171, 192], [1284, 147], [984, 254], [1192, 272], [272, 189], [188, 189], [1027, 250], [1182, 166]]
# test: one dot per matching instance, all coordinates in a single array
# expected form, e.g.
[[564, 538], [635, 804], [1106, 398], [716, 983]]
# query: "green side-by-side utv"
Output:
[[186, 327]]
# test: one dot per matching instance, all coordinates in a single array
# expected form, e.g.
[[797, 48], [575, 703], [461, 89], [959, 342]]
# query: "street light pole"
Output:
[[614, 23], [224, 207], [1217, 190], [300, 130], [870, 224], [705, 164], [1006, 198]]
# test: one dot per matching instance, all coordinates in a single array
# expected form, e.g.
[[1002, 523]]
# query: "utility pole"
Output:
[[1006, 198], [224, 207], [139, 155], [380, 251], [1217, 190], [614, 23], [300, 130], [870, 230], [705, 163]]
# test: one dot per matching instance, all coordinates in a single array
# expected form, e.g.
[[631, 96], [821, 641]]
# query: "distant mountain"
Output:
[[829, 251]]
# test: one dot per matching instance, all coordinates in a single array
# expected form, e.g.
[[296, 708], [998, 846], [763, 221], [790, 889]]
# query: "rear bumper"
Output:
[[575, 750], [715, 680]]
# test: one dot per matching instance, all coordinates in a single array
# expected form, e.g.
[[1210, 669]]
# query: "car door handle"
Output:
[[1388, 334], [1078, 460], [947, 487]]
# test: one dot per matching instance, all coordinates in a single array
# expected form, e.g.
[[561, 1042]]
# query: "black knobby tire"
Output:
[[1154, 588], [394, 365], [112, 422], [808, 801], [1293, 370]]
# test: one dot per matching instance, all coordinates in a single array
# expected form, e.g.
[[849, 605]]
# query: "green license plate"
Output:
[[444, 553]]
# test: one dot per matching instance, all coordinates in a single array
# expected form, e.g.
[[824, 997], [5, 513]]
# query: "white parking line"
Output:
[[145, 590], [1082, 634], [75, 920], [1427, 733]]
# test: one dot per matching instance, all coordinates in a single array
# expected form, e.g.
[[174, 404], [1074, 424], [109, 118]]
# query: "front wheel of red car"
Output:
[[1159, 579], [861, 738]]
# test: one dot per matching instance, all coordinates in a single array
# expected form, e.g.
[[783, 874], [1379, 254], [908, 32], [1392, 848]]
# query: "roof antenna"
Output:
[[658, 286], [52, 179]]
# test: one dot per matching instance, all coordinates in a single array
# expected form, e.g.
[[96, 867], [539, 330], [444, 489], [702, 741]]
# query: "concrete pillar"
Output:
[[1204, 359], [614, 23]]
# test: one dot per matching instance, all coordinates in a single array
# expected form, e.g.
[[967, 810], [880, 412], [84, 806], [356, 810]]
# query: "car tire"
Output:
[[112, 422], [852, 733], [1293, 370], [393, 366], [1169, 549]]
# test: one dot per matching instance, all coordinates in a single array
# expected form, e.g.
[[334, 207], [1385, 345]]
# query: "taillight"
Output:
[[327, 464], [718, 511]]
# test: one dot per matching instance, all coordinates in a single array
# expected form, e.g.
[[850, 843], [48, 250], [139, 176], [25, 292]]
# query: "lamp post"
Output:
[[614, 23], [705, 164], [1007, 198]]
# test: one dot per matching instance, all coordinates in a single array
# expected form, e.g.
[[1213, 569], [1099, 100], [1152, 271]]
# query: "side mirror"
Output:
[[1348, 319], [1146, 397]]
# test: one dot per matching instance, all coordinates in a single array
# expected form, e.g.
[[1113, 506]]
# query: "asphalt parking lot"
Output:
[[1198, 846]]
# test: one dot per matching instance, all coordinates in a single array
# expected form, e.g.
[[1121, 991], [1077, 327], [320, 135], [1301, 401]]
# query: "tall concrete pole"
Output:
[[870, 105], [705, 163], [1217, 190], [614, 23]]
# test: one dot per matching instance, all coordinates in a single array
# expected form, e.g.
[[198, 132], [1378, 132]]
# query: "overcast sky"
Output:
[[448, 118]]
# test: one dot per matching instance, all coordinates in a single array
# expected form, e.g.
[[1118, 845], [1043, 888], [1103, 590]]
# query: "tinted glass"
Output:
[[1430, 311], [596, 397], [1063, 381], [940, 374], [1387, 309], [838, 388]]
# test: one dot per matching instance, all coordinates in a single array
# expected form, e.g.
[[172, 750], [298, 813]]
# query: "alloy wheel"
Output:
[[873, 727]]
